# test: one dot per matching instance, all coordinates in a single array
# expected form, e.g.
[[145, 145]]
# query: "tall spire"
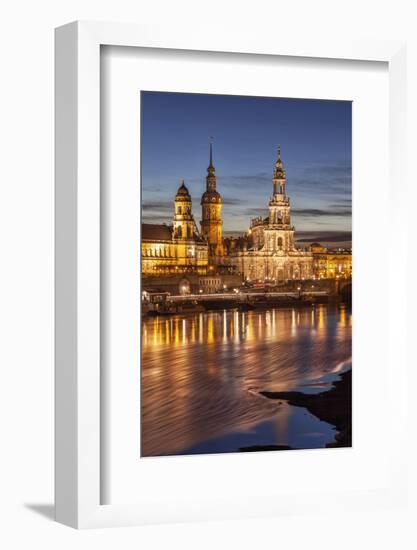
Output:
[[211, 177], [279, 175], [279, 171], [211, 210]]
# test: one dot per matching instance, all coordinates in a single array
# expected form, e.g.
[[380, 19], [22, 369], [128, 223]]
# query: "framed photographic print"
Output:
[[252, 303], [220, 346]]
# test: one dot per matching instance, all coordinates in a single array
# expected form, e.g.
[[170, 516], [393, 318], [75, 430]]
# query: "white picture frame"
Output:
[[78, 321]]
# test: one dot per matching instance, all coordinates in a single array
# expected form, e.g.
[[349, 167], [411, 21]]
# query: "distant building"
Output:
[[268, 251], [182, 259], [178, 248], [331, 263], [212, 284]]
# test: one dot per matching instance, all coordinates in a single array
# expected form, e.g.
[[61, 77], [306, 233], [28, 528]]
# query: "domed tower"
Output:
[[183, 223], [211, 208]]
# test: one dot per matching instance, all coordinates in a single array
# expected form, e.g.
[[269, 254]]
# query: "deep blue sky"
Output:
[[315, 138]]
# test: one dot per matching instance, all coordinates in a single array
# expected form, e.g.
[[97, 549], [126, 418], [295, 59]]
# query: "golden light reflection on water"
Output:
[[236, 326], [201, 372]]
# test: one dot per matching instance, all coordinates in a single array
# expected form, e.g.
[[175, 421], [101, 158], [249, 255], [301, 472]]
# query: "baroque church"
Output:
[[177, 248], [181, 247], [265, 252], [268, 252]]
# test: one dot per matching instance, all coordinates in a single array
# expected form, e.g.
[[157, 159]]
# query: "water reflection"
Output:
[[201, 372]]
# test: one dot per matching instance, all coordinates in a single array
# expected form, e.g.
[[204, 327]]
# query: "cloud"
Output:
[[159, 206], [331, 188], [323, 236], [342, 203], [153, 219], [150, 187], [325, 180], [254, 212], [229, 201], [339, 169], [316, 212]]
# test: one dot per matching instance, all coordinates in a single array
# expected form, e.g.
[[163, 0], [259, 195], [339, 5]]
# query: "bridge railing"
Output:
[[243, 296]]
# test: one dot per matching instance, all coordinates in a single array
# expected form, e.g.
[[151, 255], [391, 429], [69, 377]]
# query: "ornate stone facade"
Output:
[[268, 253], [178, 248], [265, 253]]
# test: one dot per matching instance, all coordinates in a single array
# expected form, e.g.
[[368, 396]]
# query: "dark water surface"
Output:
[[201, 374]]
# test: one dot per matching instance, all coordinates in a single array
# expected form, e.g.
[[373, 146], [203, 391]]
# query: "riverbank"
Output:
[[233, 304], [333, 406]]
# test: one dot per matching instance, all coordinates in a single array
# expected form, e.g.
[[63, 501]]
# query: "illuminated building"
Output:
[[211, 211], [330, 263], [178, 248], [182, 259], [268, 251]]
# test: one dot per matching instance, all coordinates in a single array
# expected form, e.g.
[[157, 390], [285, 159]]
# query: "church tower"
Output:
[[211, 208], [183, 224], [279, 233]]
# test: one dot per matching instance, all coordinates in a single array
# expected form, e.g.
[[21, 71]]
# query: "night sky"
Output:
[[315, 138]]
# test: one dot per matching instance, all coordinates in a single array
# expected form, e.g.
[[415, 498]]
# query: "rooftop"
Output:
[[156, 232]]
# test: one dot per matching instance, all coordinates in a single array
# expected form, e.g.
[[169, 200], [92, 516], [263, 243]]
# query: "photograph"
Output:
[[246, 273]]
